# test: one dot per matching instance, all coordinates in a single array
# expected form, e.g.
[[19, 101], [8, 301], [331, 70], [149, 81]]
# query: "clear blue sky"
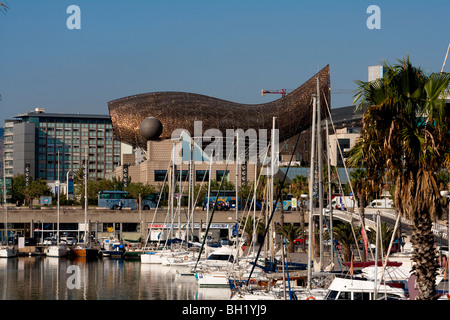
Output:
[[225, 49]]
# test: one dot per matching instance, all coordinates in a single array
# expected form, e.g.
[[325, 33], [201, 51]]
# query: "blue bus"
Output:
[[225, 197], [287, 202], [228, 197], [116, 199]]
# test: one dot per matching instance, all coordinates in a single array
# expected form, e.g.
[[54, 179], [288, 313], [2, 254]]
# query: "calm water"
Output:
[[46, 278]]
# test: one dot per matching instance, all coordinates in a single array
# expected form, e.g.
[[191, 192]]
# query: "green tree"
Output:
[[290, 233], [3, 7], [405, 139], [343, 233], [35, 189], [385, 236], [299, 186], [361, 188], [18, 189], [249, 228]]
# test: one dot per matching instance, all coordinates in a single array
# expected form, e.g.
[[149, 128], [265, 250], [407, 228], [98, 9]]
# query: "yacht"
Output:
[[59, 250], [8, 252], [362, 289]]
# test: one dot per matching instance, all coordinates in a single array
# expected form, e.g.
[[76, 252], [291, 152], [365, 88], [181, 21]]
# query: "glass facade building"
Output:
[[39, 141]]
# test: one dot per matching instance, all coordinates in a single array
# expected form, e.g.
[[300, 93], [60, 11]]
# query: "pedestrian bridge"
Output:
[[386, 215]]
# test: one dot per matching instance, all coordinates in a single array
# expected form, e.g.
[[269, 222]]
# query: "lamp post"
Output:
[[446, 193]]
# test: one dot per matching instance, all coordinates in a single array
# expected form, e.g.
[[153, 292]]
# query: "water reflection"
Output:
[[47, 278]]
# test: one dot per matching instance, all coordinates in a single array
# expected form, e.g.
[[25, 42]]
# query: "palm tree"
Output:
[[299, 186], [249, 228], [3, 7], [405, 139], [361, 189], [343, 233], [290, 233], [385, 236]]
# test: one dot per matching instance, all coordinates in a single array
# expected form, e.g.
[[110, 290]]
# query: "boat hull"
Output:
[[85, 252], [56, 251], [8, 253]]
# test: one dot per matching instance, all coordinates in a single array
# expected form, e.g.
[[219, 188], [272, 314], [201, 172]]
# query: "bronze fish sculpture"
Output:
[[179, 110]]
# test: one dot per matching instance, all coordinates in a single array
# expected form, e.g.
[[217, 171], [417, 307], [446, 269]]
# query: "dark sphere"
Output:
[[151, 128]]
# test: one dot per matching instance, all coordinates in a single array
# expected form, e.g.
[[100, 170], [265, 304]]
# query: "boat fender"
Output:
[[186, 257], [252, 281], [310, 298]]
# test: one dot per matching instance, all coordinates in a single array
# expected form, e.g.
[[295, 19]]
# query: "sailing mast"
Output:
[[329, 195], [57, 206], [85, 198], [311, 190], [320, 173], [4, 201]]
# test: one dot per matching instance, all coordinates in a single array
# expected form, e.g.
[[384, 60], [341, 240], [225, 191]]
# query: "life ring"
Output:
[[310, 298], [130, 246], [252, 281], [186, 257]]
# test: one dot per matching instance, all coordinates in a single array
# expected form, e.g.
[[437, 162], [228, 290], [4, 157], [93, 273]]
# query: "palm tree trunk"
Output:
[[424, 256]]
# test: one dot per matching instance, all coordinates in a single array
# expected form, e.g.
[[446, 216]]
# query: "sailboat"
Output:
[[60, 249], [85, 250], [5, 250]]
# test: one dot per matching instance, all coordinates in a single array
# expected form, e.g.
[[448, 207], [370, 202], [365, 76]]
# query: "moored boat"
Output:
[[362, 289], [85, 252], [8, 252], [60, 250]]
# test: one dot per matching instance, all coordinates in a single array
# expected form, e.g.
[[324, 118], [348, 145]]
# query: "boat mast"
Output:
[[272, 174], [4, 201], [320, 174], [329, 194], [311, 190], [57, 205], [237, 195], [85, 198]]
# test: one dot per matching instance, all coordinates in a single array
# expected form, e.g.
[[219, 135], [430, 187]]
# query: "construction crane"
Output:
[[283, 92]]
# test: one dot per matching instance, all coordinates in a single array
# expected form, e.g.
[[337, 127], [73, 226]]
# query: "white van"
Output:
[[382, 203]]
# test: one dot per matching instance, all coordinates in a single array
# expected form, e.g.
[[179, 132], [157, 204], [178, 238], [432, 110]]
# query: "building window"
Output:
[[160, 175], [184, 175], [220, 173], [201, 175]]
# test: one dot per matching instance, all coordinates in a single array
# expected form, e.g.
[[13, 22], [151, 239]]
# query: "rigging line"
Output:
[[301, 128], [212, 214], [157, 205], [346, 172], [256, 183]]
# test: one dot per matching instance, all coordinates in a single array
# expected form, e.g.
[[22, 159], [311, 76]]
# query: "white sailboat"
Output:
[[5, 250], [8, 252], [59, 250]]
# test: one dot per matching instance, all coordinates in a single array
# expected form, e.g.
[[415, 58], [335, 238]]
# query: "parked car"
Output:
[[301, 240], [49, 241], [69, 240]]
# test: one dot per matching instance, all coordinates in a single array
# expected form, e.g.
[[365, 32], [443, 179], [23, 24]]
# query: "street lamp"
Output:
[[446, 193]]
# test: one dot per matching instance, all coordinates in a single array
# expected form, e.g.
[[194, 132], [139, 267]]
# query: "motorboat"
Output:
[[362, 289]]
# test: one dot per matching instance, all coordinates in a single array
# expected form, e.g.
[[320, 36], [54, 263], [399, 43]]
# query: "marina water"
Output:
[[47, 278]]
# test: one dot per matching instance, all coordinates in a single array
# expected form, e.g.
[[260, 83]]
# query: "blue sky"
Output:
[[225, 49]]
